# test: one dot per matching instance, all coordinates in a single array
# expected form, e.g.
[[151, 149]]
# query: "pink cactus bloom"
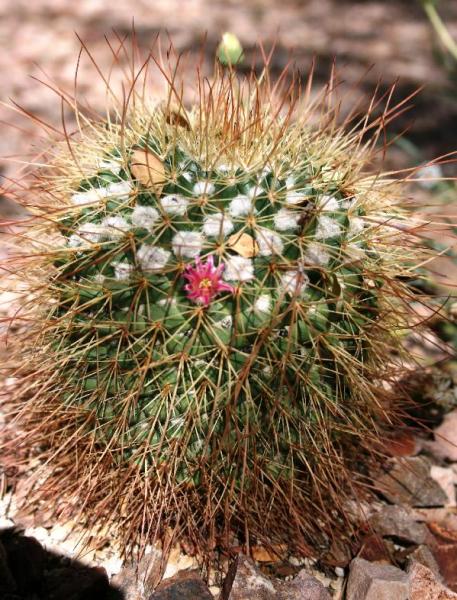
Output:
[[204, 281]]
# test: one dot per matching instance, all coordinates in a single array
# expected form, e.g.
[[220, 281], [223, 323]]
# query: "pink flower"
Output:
[[204, 281]]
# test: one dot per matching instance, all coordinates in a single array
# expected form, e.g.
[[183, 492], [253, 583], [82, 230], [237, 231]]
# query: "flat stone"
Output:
[[399, 522], [245, 582], [423, 585], [185, 584], [409, 482], [371, 581]]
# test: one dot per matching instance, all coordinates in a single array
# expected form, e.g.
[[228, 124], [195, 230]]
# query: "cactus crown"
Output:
[[218, 292]]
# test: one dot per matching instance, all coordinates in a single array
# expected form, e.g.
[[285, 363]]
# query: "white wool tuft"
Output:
[[238, 268], [316, 254], [263, 303], [92, 196], [217, 225], [174, 204], [356, 226], [286, 219], [120, 189], [295, 197], [328, 203], [241, 206], [269, 242], [327, 228], [152, 258], [145, 216], [122, 270], [187, 243], [115, 227], [226, 322], [88, 232], [294, 282], [203, 188]]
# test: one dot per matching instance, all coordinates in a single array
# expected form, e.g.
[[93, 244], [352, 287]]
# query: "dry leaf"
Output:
[[243, 244], [148, 169]]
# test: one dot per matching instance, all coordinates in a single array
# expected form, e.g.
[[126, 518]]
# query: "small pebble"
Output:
[[339, 571]]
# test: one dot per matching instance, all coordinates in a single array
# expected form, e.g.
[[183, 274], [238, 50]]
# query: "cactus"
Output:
[[215, 298]]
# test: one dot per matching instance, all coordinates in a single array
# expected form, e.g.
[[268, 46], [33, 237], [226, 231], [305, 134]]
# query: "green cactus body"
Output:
[[167, 364], [264, 381]]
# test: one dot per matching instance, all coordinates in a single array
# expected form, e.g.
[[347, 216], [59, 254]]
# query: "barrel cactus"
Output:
[[214, 301]]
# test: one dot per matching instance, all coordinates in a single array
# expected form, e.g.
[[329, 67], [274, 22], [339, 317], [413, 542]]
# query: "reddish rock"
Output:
[[184, 585], [446, 557], [443, 532], [423, 585], [372, 581]]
